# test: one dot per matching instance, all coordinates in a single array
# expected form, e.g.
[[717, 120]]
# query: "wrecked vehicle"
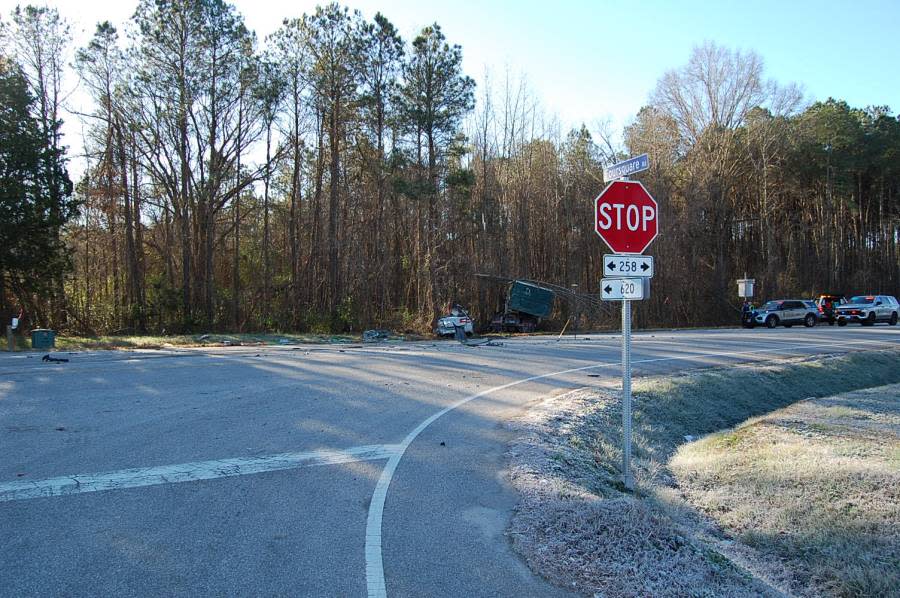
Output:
[[458, 316], [526, 304]]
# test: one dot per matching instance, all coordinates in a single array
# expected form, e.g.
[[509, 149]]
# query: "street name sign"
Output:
[[621, 289], [617, 264], [627, 167], [626, 217]]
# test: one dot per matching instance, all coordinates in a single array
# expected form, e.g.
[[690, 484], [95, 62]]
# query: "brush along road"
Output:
[[312, 471]]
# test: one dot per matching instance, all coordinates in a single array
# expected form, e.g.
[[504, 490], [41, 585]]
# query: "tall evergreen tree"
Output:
[[35, 200], [435, 97]]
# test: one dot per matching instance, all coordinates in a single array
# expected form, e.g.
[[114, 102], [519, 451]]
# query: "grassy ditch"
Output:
[[668, 409], [815, 485], [576, 526]]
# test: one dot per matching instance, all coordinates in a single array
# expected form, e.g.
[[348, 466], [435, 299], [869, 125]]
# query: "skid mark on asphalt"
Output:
[[188, 472], [375, 582]]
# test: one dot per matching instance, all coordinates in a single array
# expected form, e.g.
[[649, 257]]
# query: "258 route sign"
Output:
[[617, 264], [626, 217]]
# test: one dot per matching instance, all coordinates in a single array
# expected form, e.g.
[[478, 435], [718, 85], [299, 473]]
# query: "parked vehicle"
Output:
[[787, 312], [526, 305], [826, 304], [869, 309], [458, 316]]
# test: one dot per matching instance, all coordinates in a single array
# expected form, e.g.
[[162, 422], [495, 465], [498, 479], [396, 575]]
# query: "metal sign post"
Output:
[[627, 478]]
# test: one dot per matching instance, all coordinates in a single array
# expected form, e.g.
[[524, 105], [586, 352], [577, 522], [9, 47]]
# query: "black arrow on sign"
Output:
[[608, 289], [611, 265], [645, 267]]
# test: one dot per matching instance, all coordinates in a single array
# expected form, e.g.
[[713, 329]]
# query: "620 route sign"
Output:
[[616, 264], [626, 217], [621, 289]]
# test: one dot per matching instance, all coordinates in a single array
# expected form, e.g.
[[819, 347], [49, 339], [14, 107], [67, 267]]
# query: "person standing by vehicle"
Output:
[[747, 314]]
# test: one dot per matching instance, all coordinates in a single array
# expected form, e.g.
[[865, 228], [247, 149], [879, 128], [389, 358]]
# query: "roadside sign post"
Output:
[[627, 477], [626, 218]]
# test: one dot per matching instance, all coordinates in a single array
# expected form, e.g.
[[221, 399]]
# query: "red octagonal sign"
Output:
[[626, 217]]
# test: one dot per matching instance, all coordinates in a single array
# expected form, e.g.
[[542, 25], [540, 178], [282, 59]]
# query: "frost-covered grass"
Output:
[[577, 527]]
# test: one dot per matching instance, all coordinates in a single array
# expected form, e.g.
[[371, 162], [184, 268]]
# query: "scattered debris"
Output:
[[49, 359], [483, 342], [460, 335], [374, 336]]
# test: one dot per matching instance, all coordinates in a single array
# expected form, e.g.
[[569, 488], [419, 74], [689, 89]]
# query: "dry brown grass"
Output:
[[815, 485], [113, 342]]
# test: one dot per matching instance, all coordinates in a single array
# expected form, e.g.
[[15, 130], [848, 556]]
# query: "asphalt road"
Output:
[[301, 471]]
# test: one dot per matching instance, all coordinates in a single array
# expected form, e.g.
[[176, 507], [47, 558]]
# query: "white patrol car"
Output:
[[868, 309], [786, 312]]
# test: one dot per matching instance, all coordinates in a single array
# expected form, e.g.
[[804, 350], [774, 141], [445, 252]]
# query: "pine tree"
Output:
[[35, 200]]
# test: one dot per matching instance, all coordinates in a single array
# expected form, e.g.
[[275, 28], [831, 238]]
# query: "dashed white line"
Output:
[[375, 581], [188, 472]]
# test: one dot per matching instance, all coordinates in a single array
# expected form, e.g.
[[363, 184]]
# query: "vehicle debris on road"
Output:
[[463, 339], [47, 358], [374, 336]]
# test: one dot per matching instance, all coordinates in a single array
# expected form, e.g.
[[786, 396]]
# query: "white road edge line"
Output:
[[188, 472], [375, 581]]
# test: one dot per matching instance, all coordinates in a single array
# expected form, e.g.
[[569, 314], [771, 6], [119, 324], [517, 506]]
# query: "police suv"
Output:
[[868, 309]]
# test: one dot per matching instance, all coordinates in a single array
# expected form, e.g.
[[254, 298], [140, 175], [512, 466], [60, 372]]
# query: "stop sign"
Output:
[[626, 216]]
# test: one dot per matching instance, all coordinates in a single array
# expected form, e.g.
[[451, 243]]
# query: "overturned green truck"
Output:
[[526, 305]]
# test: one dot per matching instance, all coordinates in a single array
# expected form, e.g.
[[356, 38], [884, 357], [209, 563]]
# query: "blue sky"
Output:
[[589, 61]]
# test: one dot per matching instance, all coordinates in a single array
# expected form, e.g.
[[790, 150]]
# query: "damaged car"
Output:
[[458, 317]]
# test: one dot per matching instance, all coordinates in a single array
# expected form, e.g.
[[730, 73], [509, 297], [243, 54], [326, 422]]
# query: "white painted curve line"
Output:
[[188, 472], [375, 582]]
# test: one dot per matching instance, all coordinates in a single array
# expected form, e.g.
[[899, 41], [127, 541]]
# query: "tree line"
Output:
[[336, 177]]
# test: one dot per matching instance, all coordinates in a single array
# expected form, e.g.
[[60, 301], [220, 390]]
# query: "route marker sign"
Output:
[[617, 264], [626, 217], [621, 289], [627, 167]]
